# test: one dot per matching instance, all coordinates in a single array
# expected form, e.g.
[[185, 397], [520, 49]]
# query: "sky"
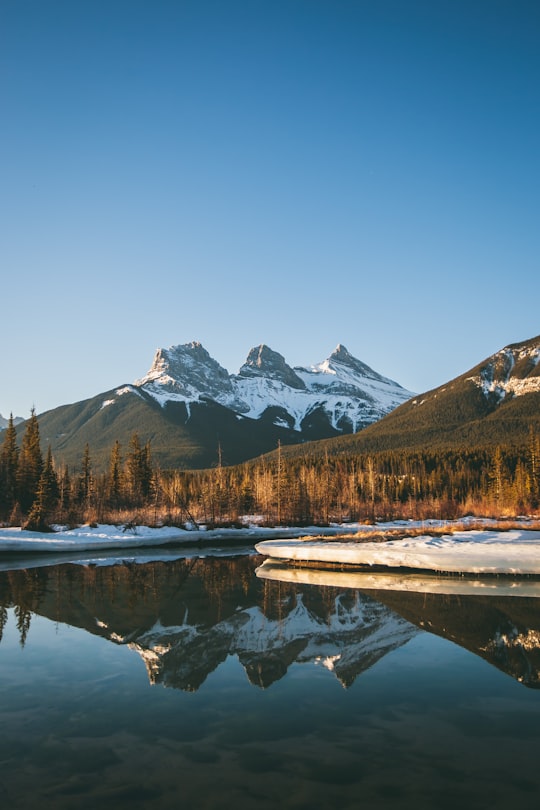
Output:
[[299, 173]]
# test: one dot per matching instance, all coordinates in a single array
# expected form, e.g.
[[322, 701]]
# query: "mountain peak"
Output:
[[341, 359], [186, 370], [262, 361], [341, 353], [342, 394]]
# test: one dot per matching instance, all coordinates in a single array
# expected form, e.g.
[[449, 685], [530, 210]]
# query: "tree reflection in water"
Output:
[[185, 617]]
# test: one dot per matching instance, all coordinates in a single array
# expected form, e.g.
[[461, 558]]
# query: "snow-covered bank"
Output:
[[87, 538], [480, 552], [485, 551]]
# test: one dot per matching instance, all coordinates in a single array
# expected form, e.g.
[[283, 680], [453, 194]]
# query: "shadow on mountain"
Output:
[[185, 618]]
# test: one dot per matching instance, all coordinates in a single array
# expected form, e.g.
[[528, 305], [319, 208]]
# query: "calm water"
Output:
[[196, 684]]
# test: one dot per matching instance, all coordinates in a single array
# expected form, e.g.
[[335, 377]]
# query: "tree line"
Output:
[[312, 489], [35, 492]]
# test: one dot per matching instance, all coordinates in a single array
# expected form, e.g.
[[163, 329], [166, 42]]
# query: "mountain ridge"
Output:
[[342, 385], [495, 402], [192, 410]]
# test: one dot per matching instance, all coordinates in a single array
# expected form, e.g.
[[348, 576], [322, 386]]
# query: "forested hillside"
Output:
[[277, 489]]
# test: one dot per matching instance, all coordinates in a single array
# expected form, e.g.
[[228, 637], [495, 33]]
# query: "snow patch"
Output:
[[127, 389], [480, 552], [496, 378]]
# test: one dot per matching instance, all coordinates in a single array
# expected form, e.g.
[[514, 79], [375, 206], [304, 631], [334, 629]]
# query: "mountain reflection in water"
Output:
[[186, 617]]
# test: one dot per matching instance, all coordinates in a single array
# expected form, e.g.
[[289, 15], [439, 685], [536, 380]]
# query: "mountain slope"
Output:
[[495, 402], [188, 406], [187, 438]]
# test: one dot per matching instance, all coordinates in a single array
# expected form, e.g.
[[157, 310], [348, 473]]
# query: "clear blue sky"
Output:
[[299, 173]]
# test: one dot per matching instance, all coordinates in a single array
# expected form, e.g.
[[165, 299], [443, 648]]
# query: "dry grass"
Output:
[[401, 533]]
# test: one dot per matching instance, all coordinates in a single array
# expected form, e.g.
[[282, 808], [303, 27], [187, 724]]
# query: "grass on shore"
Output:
[[380, 535]]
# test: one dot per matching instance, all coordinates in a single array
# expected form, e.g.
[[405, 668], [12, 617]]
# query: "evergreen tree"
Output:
[[64, 490], [534, 466], [147, 474], [9, 462], [139, 470], [86, 480], [497, 477], [46, 498], [115, 479], [30, 464]]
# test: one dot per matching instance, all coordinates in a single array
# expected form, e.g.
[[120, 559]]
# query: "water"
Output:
[[197, 684]]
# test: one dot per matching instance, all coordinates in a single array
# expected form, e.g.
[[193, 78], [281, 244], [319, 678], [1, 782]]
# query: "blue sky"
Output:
[[299, 173]]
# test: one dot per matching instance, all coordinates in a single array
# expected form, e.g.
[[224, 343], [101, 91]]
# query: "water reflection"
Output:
[[185, 618]]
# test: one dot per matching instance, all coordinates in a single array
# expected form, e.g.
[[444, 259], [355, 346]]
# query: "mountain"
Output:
[[188, 405], [494, 403], [342, 391]]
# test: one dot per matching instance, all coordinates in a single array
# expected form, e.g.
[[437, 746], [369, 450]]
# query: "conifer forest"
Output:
[[277, 489]]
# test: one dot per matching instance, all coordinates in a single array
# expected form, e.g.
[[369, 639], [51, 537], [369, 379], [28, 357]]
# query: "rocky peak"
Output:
[[344, 391], [187, 369], [262, 361], [341, 357], [341, 354]]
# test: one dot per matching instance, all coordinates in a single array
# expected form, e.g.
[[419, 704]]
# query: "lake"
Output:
[[195, 683]]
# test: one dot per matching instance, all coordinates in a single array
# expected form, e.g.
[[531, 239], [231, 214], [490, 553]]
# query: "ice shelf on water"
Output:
[[481, 551]]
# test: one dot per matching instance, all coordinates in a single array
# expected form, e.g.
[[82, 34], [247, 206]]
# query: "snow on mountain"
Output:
[[348, 391], [513, 371], [264, 362], [185, 373]]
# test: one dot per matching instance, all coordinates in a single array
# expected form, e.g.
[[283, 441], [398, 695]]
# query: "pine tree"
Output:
[[86, 480], [147, 473], [46, 498], [534, 465], [30, 464], [9, 462], [139, 470], [115, 480], [497, 477], [64, 490]]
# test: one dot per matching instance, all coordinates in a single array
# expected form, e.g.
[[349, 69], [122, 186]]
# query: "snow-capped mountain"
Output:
[[191, 409], [348, 392]]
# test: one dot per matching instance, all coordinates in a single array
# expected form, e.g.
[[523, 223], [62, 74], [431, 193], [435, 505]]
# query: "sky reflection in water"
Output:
[[421, 721]]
